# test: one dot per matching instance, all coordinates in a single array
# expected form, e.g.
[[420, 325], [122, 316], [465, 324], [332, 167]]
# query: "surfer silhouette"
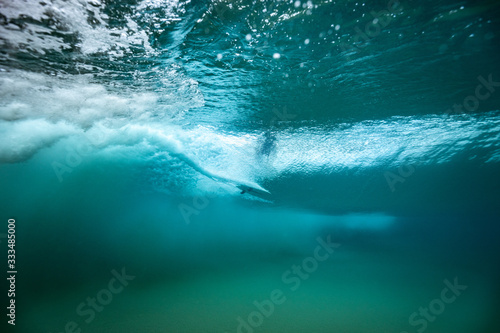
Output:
[[246, 190], [268, 146]]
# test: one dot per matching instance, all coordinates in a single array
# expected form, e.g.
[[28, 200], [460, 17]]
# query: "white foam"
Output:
[[71, 18], [22, 139], [234, 157], [393, 142], [36, 110], [82, 101], [56, 106]]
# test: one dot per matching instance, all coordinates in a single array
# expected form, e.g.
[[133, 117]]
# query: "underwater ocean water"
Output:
[[214, 166]]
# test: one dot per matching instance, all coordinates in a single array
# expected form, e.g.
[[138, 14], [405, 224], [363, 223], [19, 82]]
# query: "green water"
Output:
[[251, 166]]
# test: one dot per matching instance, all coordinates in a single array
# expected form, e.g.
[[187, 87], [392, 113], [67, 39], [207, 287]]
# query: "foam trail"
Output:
[[245, 186], [22, 139], [133, 134]]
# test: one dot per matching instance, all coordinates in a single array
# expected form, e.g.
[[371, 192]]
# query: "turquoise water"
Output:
[[251, 166]]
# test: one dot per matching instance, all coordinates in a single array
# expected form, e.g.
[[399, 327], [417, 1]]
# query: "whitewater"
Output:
[[251, 166]]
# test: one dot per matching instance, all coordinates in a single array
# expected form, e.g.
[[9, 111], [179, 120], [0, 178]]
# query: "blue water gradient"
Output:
[[210, 150]]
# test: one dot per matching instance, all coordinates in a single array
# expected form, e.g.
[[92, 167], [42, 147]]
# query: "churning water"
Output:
[[214, 166]]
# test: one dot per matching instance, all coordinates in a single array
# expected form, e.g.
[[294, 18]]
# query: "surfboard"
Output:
[[253, 190], [245, 186]]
